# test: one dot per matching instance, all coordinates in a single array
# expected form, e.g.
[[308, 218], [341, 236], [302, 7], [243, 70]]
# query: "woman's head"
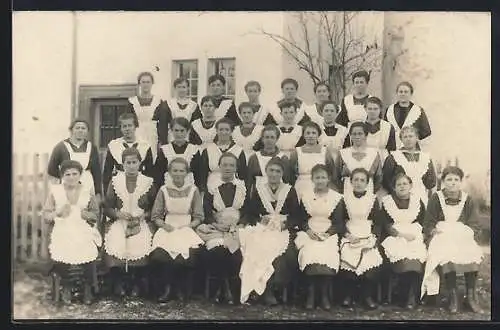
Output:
[[322, 92], [311, 132], [217, 85], [289, 88], [245, 109], [409, 136], [228, 165], [358, 132], [79, 129], [373, 107], [253, 89], [224, 128], [181, 86], [128, 124], [208, 106], [320, 176], [145, 80], [288, 111], [359, 179], [131, 160], [70, 170], [360, 81], [402, 185], [275, 169], [269, 136], [451, 178], [404, 91], [178, 169], [180, 128], [329, 110]]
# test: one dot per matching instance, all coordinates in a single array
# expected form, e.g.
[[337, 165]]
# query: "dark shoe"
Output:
[[471, 302], [453, 301], [66, 295], [216, 299], [411, 303], [120, 289], [135, 291], [347, 303], [325, 299], [269, 297], [166, 296], [310, 296], [228, 295], [370, 304], [87, 294]]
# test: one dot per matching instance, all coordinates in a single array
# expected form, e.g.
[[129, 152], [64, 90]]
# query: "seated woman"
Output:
[[451, 245], [73, 210], [304, 158], [177, 211], [248, 133], [267, 150], [322, 213], [402, 215], [222, 205], [360, 259], [410, 160], [128, 203], [179, 147], [269, 257]]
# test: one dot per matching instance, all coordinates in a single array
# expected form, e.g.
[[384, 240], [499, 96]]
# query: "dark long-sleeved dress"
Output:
[[113, 161], [413, 115], [202, 133], [224, 107], [86, 153], [351, 109], [130, 240], [151, 109]]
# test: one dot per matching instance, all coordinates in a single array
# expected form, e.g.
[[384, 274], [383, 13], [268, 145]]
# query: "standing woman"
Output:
[[360, 259], [181, 105], [248, 133], [267, 150], [209, 168], [224, 106], [334, 135], [289, 88], [128, 204], [177, 211], [315, 110], [203, 130], [402, 215], [359, 155], [304, 158], [179, 147], [269, 256], [416, 164], [113, 161], [322, 222], [451, 244], [291, 133], [152, 114], [352, 106], [74, 240], [223, 205], [253, 89], [79, 149], [406, 113]]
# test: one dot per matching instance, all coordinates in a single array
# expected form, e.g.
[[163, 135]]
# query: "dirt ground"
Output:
[[31, 300]]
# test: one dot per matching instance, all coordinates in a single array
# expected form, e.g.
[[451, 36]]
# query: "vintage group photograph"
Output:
[[251, 165]]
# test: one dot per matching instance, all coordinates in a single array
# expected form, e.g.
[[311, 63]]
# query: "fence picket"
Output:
[[24, 209], [44, 250], [34, 209], [15, 209]]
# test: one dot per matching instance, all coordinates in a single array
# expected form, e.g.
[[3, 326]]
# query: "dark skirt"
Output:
[[451, 267], [74, 273], [406, 265], [160, 256], [219, 262], [286, 267], [111, 262]]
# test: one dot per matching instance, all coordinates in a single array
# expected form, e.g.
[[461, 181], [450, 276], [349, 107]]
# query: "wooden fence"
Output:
[[29, 190]]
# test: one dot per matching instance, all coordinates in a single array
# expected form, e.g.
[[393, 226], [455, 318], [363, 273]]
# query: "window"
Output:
[[189, 70], [226, 68]]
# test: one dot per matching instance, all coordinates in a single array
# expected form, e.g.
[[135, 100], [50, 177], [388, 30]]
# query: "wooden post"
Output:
[[44, 246], [15, 209], [24, 209], [34, 209]]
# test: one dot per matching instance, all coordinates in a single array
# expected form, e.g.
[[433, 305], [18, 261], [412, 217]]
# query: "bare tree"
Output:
[[324, 45]]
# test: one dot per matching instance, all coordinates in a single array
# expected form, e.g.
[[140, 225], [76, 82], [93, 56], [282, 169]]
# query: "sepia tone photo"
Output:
[[251, 166]]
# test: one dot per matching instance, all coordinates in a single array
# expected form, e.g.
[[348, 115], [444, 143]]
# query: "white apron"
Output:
[[413, 115], [116, 243], [247, 142], [379, 140], [351, 256], [214, 154], [351, 163], [260, 116], [182, 238], [147, 130], [116, 149], [324, 252], [262, 244], [170, 155], [207, 135], [454, 244], [278, 118], [312, 112], [288, 141], [336, 142], [224, 106], [416, 171], [87, 180], [355, 112], [73, 241], [177, 112], [306, 162], [398, 248]]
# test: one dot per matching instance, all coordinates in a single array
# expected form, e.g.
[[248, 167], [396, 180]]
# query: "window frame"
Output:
[[211, 68]]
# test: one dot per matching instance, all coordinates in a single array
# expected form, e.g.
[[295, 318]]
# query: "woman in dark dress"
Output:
[[224, 106], [289, 87], [203, 130]]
